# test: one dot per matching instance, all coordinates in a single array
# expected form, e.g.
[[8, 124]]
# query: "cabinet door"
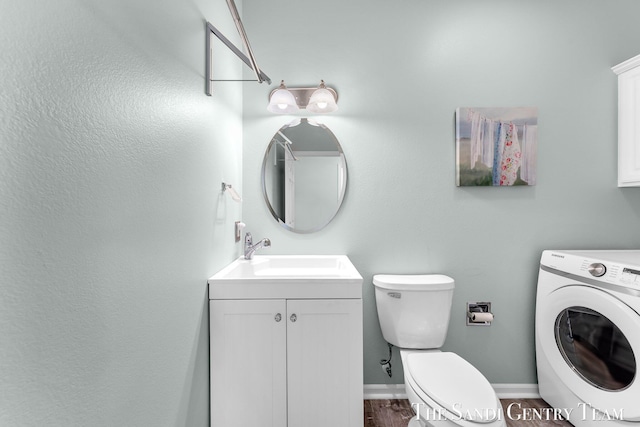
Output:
[[629, 128], [324, 353], [248, 363]]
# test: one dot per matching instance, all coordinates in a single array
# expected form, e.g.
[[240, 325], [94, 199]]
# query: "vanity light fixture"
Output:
[[321, 99]]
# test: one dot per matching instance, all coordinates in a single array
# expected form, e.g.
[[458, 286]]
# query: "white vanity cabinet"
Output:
[[286, 362], [628, 122]]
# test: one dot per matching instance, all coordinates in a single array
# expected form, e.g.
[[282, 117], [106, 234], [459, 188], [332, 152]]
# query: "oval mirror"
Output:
[[304, 176]]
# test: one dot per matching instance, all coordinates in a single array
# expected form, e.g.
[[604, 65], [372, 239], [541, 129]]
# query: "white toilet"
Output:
[[444, 389]]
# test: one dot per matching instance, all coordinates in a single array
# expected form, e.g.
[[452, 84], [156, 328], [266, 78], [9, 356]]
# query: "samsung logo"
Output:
[[557, 256]]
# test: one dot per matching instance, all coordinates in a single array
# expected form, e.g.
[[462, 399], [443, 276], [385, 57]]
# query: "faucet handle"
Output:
[[248, 240]]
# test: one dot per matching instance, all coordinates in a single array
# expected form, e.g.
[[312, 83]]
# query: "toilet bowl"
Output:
[[444, 389]]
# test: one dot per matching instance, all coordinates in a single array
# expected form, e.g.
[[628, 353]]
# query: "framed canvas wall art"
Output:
[[496, 146]]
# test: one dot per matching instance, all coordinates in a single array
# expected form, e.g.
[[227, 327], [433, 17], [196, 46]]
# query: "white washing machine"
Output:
[[588, 336]]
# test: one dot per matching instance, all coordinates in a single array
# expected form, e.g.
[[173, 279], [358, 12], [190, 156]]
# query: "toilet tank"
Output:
[[414, 310]]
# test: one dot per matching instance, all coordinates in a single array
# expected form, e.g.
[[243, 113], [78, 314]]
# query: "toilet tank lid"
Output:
[[414, 282]]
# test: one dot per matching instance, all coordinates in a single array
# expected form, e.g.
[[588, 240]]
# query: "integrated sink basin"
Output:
[[287, 276]]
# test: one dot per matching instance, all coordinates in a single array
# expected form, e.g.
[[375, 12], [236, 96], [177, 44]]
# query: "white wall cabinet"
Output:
[[286, 363], [628, 122]]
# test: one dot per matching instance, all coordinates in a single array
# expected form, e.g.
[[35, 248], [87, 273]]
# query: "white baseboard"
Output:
[[384, 391], [516, 391], [503, 391]]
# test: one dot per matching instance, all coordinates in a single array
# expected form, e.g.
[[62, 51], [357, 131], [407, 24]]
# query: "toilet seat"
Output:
[[453, 383]]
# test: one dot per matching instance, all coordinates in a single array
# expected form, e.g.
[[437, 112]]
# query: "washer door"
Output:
[[591, 339]]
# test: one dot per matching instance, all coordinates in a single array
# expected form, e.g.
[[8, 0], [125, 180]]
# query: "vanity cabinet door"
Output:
[[248, 363], [324, 357]]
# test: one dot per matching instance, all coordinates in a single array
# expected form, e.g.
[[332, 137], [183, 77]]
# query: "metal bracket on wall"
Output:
[[250, 61]]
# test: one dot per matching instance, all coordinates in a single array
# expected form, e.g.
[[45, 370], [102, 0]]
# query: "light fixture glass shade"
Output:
[[282, 101], [322, 101]]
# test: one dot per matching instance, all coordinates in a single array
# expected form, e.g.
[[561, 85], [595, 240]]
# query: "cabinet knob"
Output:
[[293, 317], [278, 317]]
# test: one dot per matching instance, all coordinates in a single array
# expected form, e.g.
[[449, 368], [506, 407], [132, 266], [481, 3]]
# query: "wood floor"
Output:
[[387, 413], [517, 413]]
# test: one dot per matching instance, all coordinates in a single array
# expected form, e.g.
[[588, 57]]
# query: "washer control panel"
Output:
[[621, 268]]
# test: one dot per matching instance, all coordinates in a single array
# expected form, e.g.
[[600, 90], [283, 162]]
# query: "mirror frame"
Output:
[[343, 187]]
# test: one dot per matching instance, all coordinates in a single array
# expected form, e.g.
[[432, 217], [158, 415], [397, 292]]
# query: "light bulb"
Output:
[[282, 106], [322, 105]]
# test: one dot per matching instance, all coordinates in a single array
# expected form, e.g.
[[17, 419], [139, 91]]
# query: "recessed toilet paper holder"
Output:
[[479, 314]]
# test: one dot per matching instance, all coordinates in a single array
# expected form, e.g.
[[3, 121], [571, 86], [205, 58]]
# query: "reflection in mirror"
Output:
[[304, 176]]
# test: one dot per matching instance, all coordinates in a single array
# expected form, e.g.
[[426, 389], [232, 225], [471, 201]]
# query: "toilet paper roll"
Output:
[[481, 317]]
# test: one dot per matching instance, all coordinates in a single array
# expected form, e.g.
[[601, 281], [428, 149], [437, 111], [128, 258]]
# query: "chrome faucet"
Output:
[[250, 248]]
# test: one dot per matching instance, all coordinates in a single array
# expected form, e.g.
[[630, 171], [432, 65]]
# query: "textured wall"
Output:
[[401, 70], [111, 216]]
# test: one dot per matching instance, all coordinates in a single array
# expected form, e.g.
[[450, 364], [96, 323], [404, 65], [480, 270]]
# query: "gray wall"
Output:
[[401, 69], [111, 214]]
